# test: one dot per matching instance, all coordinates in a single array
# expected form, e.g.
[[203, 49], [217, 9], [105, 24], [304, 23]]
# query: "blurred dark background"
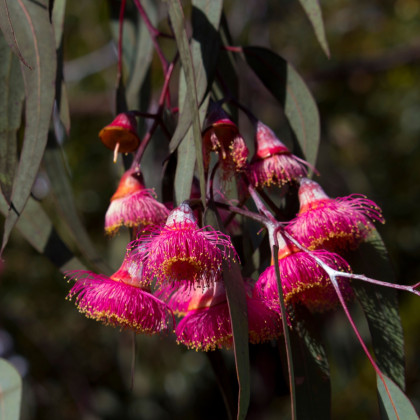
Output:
[[368, 93]]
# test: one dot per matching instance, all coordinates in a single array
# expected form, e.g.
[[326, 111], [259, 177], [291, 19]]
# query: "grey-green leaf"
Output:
[[35, 36], [285, 84], [400, 403], [36, 227], [380, 305], [314, 13], [11, 103], [63, 195], [10, 391]]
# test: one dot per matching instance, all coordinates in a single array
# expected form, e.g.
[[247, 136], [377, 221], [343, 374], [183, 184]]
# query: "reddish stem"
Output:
[[154, 34], [158, 117]]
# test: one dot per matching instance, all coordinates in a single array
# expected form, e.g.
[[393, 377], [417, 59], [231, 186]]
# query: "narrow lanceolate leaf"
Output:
[[11, 102], [380, 305], [63, 195], [313, 389], [186, 161], [401, 403], [35, 37], [204, 53], [8, 29], [10, 391], [313, 11], [137, 47], [37, 229], [282, 80], [235, 293], [178, 23]]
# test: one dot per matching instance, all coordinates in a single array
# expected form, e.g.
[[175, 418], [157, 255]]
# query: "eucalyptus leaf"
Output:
[[285, 84], [380, 305], [400, 403], [313, 11], [35, 37], [10, 391], [36, 227], [11, 103]]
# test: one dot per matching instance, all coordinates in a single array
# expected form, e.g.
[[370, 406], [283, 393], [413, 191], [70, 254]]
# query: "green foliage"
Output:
[[204, 61]]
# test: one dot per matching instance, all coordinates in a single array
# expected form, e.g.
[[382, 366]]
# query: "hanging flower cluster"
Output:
[[173, 276]]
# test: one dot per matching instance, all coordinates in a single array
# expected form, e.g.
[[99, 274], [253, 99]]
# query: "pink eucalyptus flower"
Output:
[[207, 324], [273, 163], [120, 301], [333, 224], [222, 136], [133, 205], [181, 251], [303, 279]]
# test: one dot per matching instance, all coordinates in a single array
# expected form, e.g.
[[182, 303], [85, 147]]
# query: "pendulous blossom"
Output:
[[133, 205], [120, 301], [121, 135], [273, 163], [181, 251], [207, 325], [333, 224], [303, 279], [221, 135]]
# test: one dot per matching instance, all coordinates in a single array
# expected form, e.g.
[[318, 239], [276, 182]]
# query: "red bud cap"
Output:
[[131, 182], [267, 143], [121, 135]]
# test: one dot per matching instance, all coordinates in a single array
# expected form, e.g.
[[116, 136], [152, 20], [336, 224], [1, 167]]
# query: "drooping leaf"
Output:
[[282, 80], [313, 388], [401, 403], [37, 229], [235, 293], [313, 11], [226, 69], [63, 195], [7, 26], [10, 391], [36, 41], [11, 103], [204, 52], [178, 23], [380, 305], [137, 47], [186, 161]]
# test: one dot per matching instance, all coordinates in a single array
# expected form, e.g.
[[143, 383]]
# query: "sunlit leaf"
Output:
[[400, 402], [282, 80], [11, 103], [35, 36], [178, 23], [7, 26], [204, 52], [380, 305], [313, 11], [10, 391]]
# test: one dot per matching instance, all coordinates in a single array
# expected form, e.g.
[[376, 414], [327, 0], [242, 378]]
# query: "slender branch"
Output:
[[260, 205], [158, 119], [154, 34], [257, 217]]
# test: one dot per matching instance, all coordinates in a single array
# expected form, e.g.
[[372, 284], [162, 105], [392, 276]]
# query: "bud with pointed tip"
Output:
[[334, 224], [133, 205], [273, 163]]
